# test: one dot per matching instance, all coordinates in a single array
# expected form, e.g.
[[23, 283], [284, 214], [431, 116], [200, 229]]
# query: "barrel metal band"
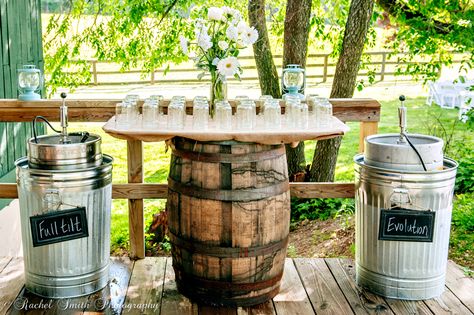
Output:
[[242, 195], [214, 300], [229, 157], [198, 247], [217, 285]]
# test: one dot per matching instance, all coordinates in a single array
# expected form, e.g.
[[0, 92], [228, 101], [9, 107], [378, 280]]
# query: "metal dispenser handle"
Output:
[[402, 120], [64, 121]]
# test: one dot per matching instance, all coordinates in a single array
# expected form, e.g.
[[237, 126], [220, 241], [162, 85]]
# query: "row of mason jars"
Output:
[[316, 112]]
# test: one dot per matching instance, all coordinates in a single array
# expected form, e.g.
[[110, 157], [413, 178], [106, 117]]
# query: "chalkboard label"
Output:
[[406, 225], [59, 226]]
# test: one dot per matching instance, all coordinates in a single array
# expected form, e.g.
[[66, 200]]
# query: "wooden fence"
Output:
[[365, 111], [319, 68]]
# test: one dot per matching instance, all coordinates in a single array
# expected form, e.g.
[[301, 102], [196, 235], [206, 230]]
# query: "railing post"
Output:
[[136, 222], [94, 71], [367, 128], [325, 70], [382, 71], [152, 76]]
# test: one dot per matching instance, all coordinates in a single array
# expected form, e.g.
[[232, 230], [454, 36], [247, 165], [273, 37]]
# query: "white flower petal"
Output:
[[214, 13], [184, 44], [250, 36], [232, 33], [223, 45], [228, 67]]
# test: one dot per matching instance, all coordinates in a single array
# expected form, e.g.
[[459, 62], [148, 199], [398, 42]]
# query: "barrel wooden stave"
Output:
[[219, 277]]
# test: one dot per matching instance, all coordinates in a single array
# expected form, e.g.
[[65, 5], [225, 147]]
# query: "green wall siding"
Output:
[[20, 39]]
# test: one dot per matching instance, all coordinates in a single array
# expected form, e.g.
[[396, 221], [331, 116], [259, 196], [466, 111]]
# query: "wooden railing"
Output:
[[319, 68], [365, 111]]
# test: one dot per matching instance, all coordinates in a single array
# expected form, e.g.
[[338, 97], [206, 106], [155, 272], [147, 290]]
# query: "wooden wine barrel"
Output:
[[229, 215]]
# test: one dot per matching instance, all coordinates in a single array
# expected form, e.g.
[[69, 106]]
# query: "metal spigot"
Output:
[[64, 122], [402, 120]]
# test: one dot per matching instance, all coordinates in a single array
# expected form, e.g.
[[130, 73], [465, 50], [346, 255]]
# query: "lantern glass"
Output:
[[30, 80], [293, 79]]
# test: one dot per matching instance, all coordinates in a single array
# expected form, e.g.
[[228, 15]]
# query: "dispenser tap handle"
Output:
[[402, 119], [64, 120]]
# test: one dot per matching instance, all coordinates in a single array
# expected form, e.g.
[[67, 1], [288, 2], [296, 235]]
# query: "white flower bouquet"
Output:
[[218, 40]]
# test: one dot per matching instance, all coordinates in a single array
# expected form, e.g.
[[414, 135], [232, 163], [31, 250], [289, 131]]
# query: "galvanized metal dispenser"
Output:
[[404, 192], [65, 192]]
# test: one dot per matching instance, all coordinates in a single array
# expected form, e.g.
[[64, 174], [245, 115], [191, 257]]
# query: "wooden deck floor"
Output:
[[309, 286]]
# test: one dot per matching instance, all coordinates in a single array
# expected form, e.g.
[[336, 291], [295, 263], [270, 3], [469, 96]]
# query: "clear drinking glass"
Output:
[[304, 116], [176, 115], [325, 113], [150, 114], [272, 114], [223, 115], [245, 115], [121, 121], [200, 114], [292, 112]]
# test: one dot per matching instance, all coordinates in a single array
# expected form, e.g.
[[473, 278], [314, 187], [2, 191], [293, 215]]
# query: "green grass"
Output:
[[421, 119]]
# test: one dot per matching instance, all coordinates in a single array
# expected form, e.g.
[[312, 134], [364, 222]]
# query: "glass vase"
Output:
[[218, 92]]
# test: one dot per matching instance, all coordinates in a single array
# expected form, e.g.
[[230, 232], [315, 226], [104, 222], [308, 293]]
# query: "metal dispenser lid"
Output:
[[64, 150], [403, 151]]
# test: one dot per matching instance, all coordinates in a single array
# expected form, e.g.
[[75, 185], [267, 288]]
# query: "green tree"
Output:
[[433, 30]]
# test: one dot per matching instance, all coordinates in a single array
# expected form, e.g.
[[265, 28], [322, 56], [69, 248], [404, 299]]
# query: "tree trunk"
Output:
[[358, 22], [294, 52], [267, 74]]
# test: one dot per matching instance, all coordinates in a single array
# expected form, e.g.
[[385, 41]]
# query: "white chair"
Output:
[[445, 95], [467, 102]]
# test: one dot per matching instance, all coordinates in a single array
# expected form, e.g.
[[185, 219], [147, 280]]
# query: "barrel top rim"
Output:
[[92, 139], [368, 139], [450, 164], [107, 161]]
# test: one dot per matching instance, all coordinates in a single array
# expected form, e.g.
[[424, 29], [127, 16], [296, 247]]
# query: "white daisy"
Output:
[[223, 45], [214, 13], [250, 36], [231, 33], [228, 67], [184, 44], [227, 13]]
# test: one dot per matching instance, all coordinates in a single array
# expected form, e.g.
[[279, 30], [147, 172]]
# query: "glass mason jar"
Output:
[[223, 115]]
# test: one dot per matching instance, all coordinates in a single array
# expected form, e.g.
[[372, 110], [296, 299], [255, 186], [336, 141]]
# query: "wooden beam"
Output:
[[136, 191], [367, 128], [102, 110], [136, 222]]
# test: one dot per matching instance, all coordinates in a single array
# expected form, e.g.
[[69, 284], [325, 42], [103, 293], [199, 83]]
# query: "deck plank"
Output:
[[292, 298], [361, 301], [322, 289], [266, 308], [4, 262], [112, 297], [402, 307], [11, 282], [461, 285], [447, 304], [108, 299], [146, 286], [174, 303]]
